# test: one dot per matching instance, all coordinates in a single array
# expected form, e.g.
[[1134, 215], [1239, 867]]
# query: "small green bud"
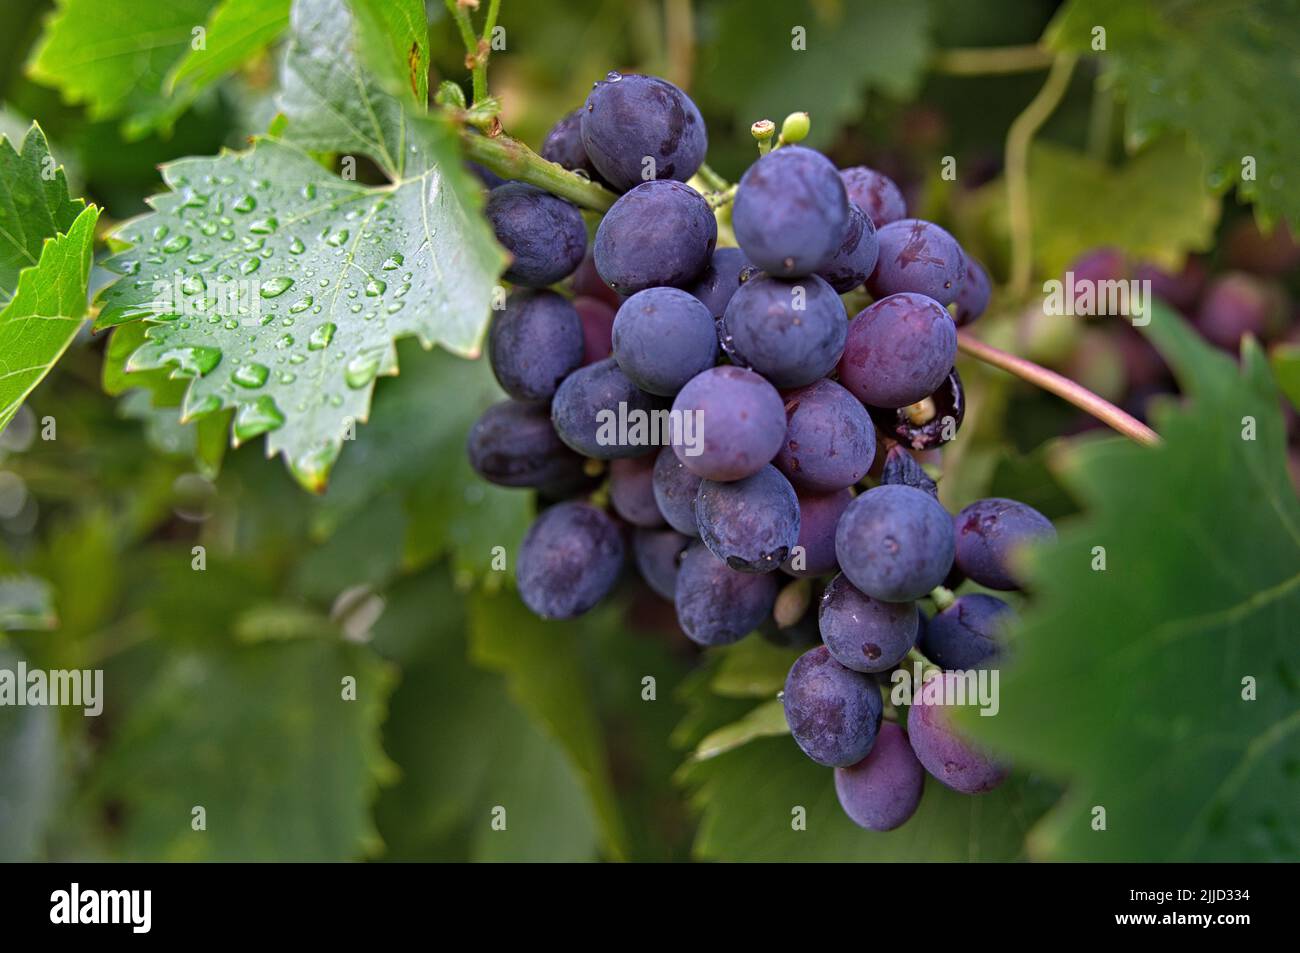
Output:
[[450, 94], [763, 130], [795, 128]]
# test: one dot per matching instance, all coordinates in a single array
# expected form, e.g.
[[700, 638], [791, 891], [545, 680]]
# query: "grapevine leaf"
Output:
[[114, 56], [43, 317], [1190, 66], [774, 57], [312, 755], [1167, 210], [29, 758], [393, 37], [748, 798], [1166, 687], [753, 668], [763, 721], [1286, 366], [236, 31], [34, 205], [280, 288], [545, 675]]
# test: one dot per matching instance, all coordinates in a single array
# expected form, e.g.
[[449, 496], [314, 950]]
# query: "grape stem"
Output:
[[991, 60], [477, 48], [942, 597], [1061, 386], [512, 159]]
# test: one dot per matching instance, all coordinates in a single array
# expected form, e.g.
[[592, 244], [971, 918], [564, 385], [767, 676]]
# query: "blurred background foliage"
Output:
[[215, 678]]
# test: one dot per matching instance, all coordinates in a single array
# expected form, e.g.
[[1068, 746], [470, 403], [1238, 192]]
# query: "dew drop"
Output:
[[245, 204], [251, 376], [257, 417], [274, 287], [321, 337]]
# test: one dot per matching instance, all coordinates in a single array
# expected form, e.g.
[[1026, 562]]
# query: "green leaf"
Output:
[[236, 32], [1190, 66], [26, 604], [262, 738], [1286, 366], [393, 38], [762, 722], [756, 73], [114, 56], [1130, 682], [29, 758], [281, 288], [748, 798], [34, 205], [43, 317], [1167, 210], [545, 675], [753, 668]]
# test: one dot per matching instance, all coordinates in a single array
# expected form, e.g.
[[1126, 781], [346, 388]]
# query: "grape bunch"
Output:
[[714, 414]]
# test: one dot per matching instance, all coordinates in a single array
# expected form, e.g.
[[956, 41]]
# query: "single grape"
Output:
[[636, 128], [829, 440], [631, 491], [930, 422], [792, 332], [918, 257], [855, 258], [973, 297], [563, 146], [738, 422], [660, 233], [819, 514], [658, 553], [874, 193], [898, 351], [790, 212], [989, 532], [588, 405], [534, 343], [597, 328], [720, 280], [570, 558], [1237, 304], [969, 634], [833, 712], [863, 633], [750, 524], [514, 444], [895, 543], [950, 758], [883, 790], [545, 235], [674, 490], [662, 338], [717, 605]]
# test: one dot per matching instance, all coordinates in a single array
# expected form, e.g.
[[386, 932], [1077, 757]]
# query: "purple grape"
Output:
[[717, 605], [1098, 265], [1180, 288], [973, 297], [902, 469], [534, 343], [951, 759], [563, 146], [895, 543], [898, 351], [545, 235], [597, 328], [657, 553], [740, 423], [969, 634], [570, 558], [863, 633], [662, 338], [660, 233], [588, 404], [640, 127], [674, 490], [790, 212], [720, 280], [874, 193], [631, 491], [750, 524], [883, 790], [856, 256], [829, 440], [819, 514], [930, 422], [1237, 304], [514, 444], [989, 532], [918, 257], [792, 332], [833, 712]]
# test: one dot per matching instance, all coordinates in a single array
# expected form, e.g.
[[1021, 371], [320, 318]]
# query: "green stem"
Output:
[[991, 60], [1061, 386], [475, 53], [942, 597], [718, 199], [711, 179], [680, 40], [484, 50], [1100, 121], [1019, 136], [512, 159]]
